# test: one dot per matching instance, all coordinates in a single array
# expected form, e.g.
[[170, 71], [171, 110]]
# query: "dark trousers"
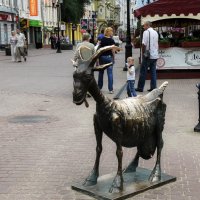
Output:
[[151, 64]]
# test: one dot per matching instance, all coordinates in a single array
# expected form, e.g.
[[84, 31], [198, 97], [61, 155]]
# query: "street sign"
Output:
[[90, 24], [84, 24], [74, 27], [62, 27]]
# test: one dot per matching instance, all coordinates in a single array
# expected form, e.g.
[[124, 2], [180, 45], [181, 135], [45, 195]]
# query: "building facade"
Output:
[[8, 18], [36, 18], [123, 18], [107, 13]]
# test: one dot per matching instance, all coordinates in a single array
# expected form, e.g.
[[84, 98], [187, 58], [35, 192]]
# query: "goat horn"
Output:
[[102, 50], [101, 67]]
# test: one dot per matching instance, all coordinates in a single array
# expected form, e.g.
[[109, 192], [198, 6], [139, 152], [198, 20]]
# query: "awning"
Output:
[[169, 7]]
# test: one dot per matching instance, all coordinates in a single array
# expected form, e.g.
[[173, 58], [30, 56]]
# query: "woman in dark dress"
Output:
[[105, 58]]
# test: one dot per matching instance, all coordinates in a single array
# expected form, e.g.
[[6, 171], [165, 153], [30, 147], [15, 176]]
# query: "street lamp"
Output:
[[58, 6], [128, 47], [94, 16]]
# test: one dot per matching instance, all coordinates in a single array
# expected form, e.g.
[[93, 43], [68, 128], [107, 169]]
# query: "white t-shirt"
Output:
[[131, 73], [153, 42], [20, 40]]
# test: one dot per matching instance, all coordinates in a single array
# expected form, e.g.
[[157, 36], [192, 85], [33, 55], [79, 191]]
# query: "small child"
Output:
[[131, 77]]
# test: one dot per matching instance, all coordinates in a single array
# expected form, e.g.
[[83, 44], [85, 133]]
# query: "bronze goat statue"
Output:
[[131, 122]]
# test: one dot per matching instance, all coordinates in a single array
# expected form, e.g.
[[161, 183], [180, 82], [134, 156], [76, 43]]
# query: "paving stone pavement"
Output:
[[41, 160]]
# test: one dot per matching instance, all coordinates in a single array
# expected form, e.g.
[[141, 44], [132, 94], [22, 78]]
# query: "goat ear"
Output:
[[85, 53], [101, 51], [102, 67]]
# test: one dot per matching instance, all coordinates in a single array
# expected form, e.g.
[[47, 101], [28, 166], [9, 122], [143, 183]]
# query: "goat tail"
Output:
[[163, 86]]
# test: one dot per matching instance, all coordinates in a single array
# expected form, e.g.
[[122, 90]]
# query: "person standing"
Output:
[[20, 45], [53, 41], [107, 57], [13, 42], [100, 36], [85, 42], [149, 42], [131, 77]]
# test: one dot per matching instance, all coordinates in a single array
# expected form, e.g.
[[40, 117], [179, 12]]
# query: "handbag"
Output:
[[147, 51]]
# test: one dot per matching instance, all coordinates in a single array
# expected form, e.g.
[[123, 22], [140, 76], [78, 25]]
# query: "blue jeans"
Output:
[[151, 64], [130, 88], [105, 60]]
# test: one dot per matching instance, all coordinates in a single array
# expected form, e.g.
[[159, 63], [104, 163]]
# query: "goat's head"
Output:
[[83, 74]]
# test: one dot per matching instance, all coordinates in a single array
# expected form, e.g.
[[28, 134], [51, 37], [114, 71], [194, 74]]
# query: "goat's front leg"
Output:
[[118, 180], [94, 174]]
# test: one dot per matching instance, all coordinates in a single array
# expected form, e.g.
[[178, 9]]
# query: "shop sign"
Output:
[[92, 23], [84, 24], [193, 58], [62, 27], [179, 58], [33, 7], [6, 17], [35, 23]]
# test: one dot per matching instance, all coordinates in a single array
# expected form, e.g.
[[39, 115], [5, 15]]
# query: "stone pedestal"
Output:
[[134, 183]]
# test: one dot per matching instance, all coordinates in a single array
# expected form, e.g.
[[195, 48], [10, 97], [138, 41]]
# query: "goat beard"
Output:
[[86, 103]]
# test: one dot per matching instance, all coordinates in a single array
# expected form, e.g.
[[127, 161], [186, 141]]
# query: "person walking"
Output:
[[107, 57], [13, 42], [149, 44], [130, 77], [20, 46]]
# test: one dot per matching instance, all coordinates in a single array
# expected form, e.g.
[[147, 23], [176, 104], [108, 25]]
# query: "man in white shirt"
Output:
[[20, 45], [152, 46]]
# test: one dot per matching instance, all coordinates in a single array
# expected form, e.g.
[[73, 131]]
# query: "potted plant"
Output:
[[136, 42], [164, 43], [191, 42], [8, 50]]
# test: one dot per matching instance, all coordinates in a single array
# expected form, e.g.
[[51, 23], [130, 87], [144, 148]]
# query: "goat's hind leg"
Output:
[[156, 173], [94, 174]]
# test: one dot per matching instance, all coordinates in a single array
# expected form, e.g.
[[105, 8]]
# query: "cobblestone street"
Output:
[[47, 143]]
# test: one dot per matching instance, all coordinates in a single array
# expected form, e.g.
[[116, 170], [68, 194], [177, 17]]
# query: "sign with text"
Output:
[[33, 7], [92, 23], [179, 58], [84, 24]]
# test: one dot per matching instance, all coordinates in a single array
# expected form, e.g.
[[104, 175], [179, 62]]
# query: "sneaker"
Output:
[[19, 61], [111, 92], [138, 90]]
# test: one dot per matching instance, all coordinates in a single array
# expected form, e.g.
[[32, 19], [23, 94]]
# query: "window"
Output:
[[12, 27]]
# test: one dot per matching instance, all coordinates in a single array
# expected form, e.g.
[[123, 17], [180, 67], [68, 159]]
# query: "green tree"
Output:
[[73, 10]]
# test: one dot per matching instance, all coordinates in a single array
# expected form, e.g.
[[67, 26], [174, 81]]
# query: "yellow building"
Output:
[[107, 14]]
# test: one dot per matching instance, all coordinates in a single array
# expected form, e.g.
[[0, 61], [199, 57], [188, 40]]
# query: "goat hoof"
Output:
[[155, 176], [89, 182], [117, 185], [91, 179]]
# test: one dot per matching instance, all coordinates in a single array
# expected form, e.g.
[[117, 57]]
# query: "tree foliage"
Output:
[[73, 10]]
